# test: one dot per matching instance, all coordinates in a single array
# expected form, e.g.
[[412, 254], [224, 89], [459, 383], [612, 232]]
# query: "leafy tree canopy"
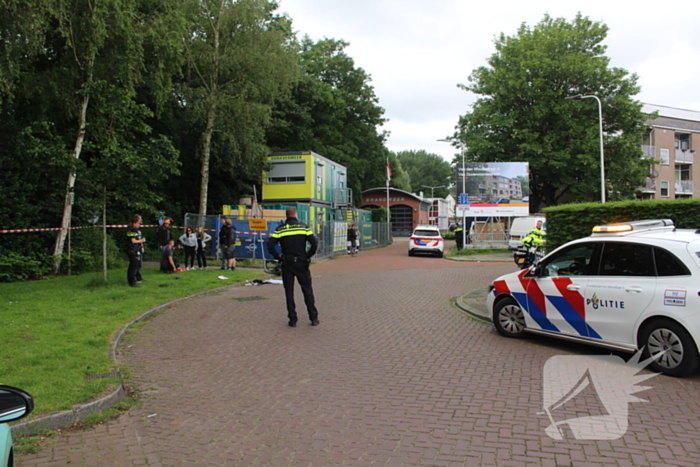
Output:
[[425, 169], [333, 111], [521, 114]]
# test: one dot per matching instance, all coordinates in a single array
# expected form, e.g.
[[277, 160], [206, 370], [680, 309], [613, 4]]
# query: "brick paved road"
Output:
[[394, 375]]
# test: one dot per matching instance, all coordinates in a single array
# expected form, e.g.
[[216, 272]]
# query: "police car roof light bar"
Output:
[[636, 226]]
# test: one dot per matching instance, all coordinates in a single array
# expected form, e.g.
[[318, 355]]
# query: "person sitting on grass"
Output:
[[168, 263]]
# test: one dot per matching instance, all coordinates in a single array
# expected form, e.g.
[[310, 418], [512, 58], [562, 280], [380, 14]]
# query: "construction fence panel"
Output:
[[251, 244]]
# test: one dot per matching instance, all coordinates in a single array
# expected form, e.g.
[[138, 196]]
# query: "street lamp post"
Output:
[[432, 189], [602, 157], [464, 190]]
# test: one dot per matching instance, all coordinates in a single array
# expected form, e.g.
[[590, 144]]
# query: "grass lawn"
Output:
[[57, 331], [476, 251]]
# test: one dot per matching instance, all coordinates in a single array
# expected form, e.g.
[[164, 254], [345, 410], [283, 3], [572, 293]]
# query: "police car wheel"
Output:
[[671, 343], [508, 318]]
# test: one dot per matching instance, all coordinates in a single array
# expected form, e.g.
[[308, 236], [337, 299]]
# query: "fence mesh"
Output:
[[332, 237]]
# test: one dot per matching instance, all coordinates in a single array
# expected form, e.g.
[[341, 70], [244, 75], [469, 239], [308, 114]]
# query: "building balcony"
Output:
[[684, 156], [684, 187], [649, 151], [342, 197], [649, 186]]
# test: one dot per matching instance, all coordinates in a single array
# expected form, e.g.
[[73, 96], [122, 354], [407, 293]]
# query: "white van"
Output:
[[522, 226]]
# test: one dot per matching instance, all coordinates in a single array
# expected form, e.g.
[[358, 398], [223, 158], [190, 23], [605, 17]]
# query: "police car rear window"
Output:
[[668, 265], [426, 233]]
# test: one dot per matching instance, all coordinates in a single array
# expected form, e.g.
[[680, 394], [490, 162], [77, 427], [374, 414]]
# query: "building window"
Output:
[[664, 156], [287, 172], [682, 141], [319, 173], [683, 171], [664, 189]]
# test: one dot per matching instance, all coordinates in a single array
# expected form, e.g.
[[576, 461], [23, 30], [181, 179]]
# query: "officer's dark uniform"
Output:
[[292, 237], [133, 274], [459, 236], [223, 244]]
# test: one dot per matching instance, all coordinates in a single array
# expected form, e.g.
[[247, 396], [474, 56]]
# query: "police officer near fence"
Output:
[[135, 251], [459, 236], [293, 236]]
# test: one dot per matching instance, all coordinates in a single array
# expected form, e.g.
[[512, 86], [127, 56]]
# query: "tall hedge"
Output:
[[571, 221]]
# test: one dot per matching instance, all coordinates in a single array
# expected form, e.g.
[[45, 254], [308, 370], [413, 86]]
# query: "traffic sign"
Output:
[[464, 198], [257, 224]]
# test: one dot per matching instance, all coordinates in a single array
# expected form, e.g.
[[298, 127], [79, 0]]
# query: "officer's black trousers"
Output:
[[133, 274], [301, 271]]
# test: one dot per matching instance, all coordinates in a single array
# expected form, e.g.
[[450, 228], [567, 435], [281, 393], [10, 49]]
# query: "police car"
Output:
[[628, 286], [14, 404], [426, 239]]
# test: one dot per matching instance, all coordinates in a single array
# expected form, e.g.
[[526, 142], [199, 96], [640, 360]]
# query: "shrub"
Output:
[[86, 252], [15, 267], [379, 214], [571, 221]]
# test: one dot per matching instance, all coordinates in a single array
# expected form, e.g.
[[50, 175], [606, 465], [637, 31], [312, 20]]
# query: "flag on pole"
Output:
[[388, 170], [257, 210]]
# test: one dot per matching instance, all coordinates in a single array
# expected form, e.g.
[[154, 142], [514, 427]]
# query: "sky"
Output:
[[418, 51]]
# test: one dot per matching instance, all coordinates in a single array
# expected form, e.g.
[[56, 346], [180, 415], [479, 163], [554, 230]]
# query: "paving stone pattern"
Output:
[[395, 375]]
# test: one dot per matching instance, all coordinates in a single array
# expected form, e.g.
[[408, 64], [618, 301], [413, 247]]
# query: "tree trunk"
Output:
[[212, 88], [104, 236], [206, 156], [67, 202]]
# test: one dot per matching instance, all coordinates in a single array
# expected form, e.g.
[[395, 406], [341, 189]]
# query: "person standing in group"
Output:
[[189, 241], [164, 233], [135, 250], [292, 237], [230, 246], [202, 239], [352, 239], [223, 242]]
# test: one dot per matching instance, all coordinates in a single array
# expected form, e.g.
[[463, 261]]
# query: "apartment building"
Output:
[[672, 141]]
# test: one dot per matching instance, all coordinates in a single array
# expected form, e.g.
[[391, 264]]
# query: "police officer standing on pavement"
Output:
[[292, 237]]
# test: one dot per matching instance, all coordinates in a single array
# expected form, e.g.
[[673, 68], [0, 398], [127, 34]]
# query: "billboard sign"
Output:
[[494, 189]]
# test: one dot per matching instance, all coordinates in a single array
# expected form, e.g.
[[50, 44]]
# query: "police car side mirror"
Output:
[[14, 404], [535, 271]]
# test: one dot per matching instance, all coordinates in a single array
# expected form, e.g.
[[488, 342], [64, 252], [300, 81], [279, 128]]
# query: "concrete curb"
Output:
[[474, 303], [496, 258], [55, 420]]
